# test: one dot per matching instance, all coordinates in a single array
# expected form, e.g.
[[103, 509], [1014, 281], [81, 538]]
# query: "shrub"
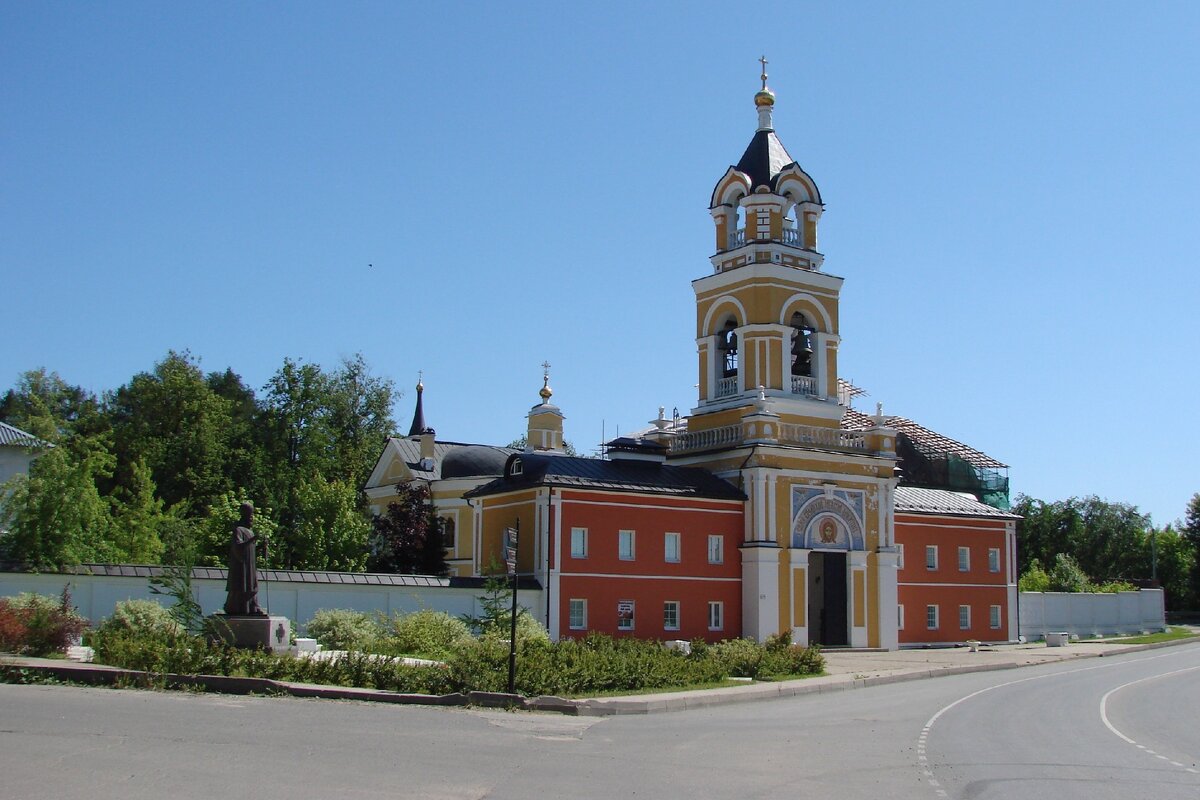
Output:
[[739, 657], [343, 629], [427, 633], [1112, 587], [37, 625], [528, 629], [12, 627], [141, 616]]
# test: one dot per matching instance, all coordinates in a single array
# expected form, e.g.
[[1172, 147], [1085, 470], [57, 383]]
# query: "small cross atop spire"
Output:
[[545, 369], [763, 60]]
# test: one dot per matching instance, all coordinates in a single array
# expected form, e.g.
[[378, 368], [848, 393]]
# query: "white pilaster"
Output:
[[887, 560], [799, 561], [760, 590], [857, 562]]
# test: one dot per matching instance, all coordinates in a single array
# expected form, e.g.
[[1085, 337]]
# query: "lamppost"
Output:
[[510, 556]]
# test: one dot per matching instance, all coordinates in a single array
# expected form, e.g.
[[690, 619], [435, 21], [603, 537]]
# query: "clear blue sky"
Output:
[[1011, 191]]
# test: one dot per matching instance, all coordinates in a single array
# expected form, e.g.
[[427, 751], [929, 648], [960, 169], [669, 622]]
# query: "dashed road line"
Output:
[[923, 738]]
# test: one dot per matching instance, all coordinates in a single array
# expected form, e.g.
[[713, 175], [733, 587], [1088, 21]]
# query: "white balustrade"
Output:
[[805, 385], [727, 387]]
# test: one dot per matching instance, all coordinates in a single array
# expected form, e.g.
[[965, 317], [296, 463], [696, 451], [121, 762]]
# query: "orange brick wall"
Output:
[[648, 580], [947, 586]]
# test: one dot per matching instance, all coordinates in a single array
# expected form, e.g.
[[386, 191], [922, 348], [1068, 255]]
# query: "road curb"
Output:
[[101, 675]]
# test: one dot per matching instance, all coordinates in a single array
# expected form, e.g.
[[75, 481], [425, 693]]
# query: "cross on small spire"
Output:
[[545, 369], [763, 60]]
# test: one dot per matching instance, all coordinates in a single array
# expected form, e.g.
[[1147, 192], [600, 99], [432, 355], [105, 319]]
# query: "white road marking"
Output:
[[1113, 728], [938, 715]]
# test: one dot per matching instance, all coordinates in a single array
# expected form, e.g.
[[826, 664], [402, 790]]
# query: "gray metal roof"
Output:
[[941, 501], [619, 475], [280, 576], [15, 437]]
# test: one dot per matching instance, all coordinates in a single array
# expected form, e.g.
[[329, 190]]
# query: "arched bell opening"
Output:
[[729, 359], [803, 372]]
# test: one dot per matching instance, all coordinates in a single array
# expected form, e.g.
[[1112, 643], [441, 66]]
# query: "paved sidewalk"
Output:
[[846, 669]]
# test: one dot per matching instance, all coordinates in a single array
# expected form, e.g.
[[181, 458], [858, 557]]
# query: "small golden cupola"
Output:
[[545, 432]]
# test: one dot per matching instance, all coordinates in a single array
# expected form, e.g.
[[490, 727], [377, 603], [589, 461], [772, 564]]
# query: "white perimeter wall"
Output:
[[97, 595], [1091, 614]]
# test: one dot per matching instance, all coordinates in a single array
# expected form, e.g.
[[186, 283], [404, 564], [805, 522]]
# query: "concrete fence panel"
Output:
[[1086, 614]]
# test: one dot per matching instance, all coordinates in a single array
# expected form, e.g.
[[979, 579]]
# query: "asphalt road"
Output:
[[1121, 727]]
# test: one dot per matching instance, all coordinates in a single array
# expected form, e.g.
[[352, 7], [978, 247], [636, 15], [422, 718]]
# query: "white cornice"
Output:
[[765, 270]]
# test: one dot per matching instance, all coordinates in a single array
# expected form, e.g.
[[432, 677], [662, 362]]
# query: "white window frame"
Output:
[[574, 604], [668, 537], [579, 542], [931, 557], [444, 521], [670, 605], [716, 615], [964, 618], [900, 617], [964, 559], [631, 538], [994, 617], [993, 559], [716, 548], [632, 617], [899, 556], [932, 612]]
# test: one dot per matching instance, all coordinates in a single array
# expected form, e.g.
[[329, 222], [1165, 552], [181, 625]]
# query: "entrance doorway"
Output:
[[827, 620]]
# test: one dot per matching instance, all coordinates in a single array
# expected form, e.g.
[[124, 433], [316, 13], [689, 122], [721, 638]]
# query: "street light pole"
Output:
[[512, 632]]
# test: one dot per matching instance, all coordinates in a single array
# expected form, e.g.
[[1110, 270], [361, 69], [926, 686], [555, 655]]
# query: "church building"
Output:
[[773, 506]]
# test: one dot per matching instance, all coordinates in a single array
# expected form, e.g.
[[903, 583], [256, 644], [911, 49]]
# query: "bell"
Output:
[[802, 346]]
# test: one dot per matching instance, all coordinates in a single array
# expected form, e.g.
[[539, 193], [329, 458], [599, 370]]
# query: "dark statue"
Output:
[[242, 586]]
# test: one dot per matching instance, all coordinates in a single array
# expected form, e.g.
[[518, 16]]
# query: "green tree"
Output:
[[1107, 540], [173, 421], [359, 416], [45, 405], [331, 531], [136, 516], [1190, 528], [55, 515]]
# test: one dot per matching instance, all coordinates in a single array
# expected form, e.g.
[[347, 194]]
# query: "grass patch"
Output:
[[1170, 635]]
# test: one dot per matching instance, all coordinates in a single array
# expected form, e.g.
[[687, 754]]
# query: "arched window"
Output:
[[728, 346], [793, 226], [737, 225]]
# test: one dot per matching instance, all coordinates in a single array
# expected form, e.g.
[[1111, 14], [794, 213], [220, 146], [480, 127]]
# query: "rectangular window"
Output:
[[964, 618], [578, 542], [625, 546], [931, 556], [994, 617], [900, 617], [899, 556], [577, 615], [671, 547], [716, 615], [671, 615], [993, 559], [624, 615], [964, 559], [931, 617], [447, 526], [716, 549]]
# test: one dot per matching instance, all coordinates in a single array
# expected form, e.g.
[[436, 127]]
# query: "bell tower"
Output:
[[767, 316], [818, 555]]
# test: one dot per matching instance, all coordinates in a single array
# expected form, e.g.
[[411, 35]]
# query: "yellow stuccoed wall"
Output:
[[502, 512]]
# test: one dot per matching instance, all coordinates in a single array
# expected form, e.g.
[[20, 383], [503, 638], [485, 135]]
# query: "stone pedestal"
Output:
[[270, 633]]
